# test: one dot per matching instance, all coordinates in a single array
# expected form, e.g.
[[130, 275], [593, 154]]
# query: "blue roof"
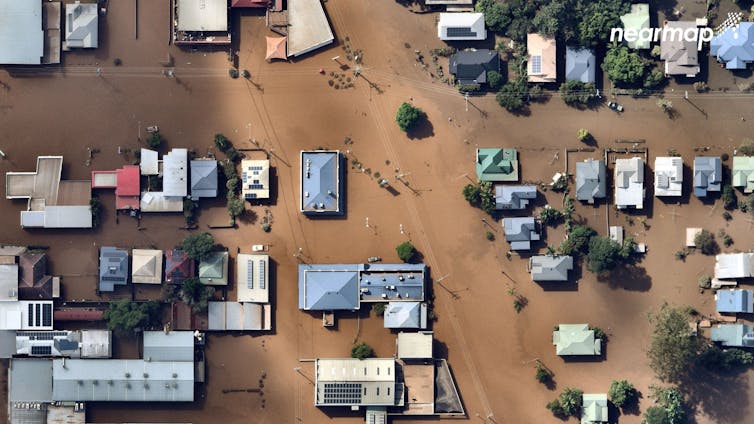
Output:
[[734, 46], [406, 315], [580, 65], [734, 301], [320, 182], [113, 268], [203, 178], [332, 287], [735, 335]]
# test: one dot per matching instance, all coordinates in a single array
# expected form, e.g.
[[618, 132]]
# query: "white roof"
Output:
[[253, 278], [67, 217], [376, 376], [202, 15], [668, 176], [629, 183], [81, 22], [175, 173], [415, 345], [146, 266], [156, 201], [8, 282], [21, 35], [471, 24], [15, 315], [148, 162], [733, 265], [308, 28], [255, 179]]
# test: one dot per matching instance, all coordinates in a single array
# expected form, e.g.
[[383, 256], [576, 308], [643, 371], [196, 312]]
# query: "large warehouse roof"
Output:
[[21, 35]]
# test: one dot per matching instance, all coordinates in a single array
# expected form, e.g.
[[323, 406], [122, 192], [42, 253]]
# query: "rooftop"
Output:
[[576, 339], [308, 28], [321, 182], [175, 168], [255, 175], [24, 371], [681, 56], [594, 408], [26, 315], [734, 265], [146, 266], [349, 381], [514, 197], [580, 65], [253, 278], [550, 268], [160, 346], [461, 26], [406, 315], [708, 171], [494, 164], [239, 316], [416, 345], [213, 271], [8, 282], [590, 180], [542, 58], [743, 173], [636, 20], [734, 300], [202, 15], [734, 46], [178, 266], [733, 335], [471, 66], [21, 35], [520, 232], [113, 268], [668, 176], [203, 178], [81, 25], [629, 183]]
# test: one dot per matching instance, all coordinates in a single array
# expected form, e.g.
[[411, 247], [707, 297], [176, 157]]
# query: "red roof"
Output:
[[78, 314], [128, 181], [178, 266], [249, 3]]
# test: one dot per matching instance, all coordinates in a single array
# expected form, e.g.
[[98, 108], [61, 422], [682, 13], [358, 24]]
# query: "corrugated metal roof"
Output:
[[172, 346], [21, 35], [30, 380]]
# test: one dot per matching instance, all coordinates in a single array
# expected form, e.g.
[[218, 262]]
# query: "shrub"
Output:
[[117, 61], [682, 254], [599, 334], [489, 235], [577, 93], [714, 358], [701, 86], [727, 216], [494, 80], [729, 197], [550, 216], [747, 147], [705, 242], [406, 251], [468, 88], [556, 408], [233, 73], [571, 400], [361, 351], [379, 309], [584, 135], [95, 206], [538, 94], [221, 142], [154, 141], [655, 415], [408, 116], [245, 73], [705, 282], [622, 393], [727, 240], [654, 79], [543, 375]]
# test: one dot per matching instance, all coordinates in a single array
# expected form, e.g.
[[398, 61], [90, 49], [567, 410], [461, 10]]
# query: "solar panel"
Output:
[[342, 393], [31, 315], [261, 274], [536, 64], [41, 350], [47, 315], [39, 314], [460, 32], [250, 274]]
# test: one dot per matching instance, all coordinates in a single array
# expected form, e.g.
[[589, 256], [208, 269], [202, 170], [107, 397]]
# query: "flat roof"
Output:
[[202, 15], [253, 278], [21, 34], [415, 345], [30, 380], [244, 316], [175, 173], [158, 201], [8, 282], [170, 346], [308, 28]]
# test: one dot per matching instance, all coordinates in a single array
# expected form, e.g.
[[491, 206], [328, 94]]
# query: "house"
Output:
[[337, 287], [493, 164], [213, 270], [636, 21], [734, 301], [414, 345], [580, 65], [253, 278], [201, 22], [321, 183], [734, 46], [26, 37], [203, 178], [734, 265], [406, 315], [239, 316], [708, 175], [255, 179], [576, 339], [461, 27], [33, 281], [471, 66], [356, 382], [681, 55], [308, 28], [550, 268], [594, 408], [81, 25], [178, 266], [541, 65], [629, 183], [743, 173], [668, 176], [51, 202], [520, 232], [146, 266], [175, 173], [113, 268], [26, 315], [126, 183], [733, 335], [71, 344], [590, 180], [514, 197]]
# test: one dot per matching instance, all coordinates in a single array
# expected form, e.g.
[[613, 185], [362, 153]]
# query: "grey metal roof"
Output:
[[733, 335], [336, 288], [471, 66], [113, 268], [707, 175], [122, 380], [520, 232], [239, 316], [21, 35], [30, 380], [7, 343], [580, 65], [514, 197], [203, 178], [320, 182], [735, 301], [681, 56], [173, 346], [575, 339], [550, 268], [590, 180], [406, 315]]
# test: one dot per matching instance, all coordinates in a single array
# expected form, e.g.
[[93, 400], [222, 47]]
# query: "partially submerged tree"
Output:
[[624, 67], [124, 316], [673, 348], [728, 196], [480, 195], [671, 400], [577, 93], [155, 140], [494, 80], [408, 116], [362, 351], [571, 401], [406, 251], [511, 96], [195, 294], [199, 245], [622, 393], [705, 242], [577, 241]]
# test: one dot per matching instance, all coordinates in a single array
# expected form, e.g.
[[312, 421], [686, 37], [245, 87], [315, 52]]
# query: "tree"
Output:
[[155, 140], [571, 400], [379, 309], [236, 205], [714, 358], [705, 242], [408, 116], [654, 79], [584, 135], [577, 241], [406, 251], [195, 294], [577, 93], [199, 245], [496, 14], [511, 96], [543, 375], [666, 106], [125, 316], [233, 73], [747, 147], [623, 67], [673, 349], [95, 206], [494, 80], [222, 142], [597, 17], [550, 18], [671, 400], [655, 415], [556, 408], [480, 195], [550, 216], [622, 393], [730, 201], [361, 351]]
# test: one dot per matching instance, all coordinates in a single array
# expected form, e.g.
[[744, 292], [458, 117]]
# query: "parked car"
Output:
[[373, 259], [615, 106]]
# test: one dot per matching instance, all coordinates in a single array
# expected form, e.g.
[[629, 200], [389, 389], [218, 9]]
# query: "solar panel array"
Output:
[[342, 393], [31, 315], [536, 64], [41, 350], [250, 274], [42, 335], [47, 315], [460, 32], [262, 281]]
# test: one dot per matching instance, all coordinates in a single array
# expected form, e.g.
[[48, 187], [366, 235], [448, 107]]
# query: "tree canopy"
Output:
[[604, 255], [577, 93], [406, 251], [408, 116], [511, 96], [705, 242], [622, 393], [125, 316], [480, 195], [577, 241], [571, 400], [198, 245], [597, 17], [195, 294], [624, 67], [673, 349], [362, 351], [494, 80]]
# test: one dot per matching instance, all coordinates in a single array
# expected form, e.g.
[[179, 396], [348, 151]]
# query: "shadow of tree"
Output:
[[629, 277], [724, 396], [421, 129]]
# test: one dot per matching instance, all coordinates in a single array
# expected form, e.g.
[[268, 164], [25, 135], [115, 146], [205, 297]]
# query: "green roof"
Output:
[[637, 19], [214, 270], [594, 409], [494, 164], [575, 339], [743, 172]]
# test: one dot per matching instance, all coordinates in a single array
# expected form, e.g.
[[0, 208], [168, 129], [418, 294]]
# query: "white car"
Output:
[[257, 248]]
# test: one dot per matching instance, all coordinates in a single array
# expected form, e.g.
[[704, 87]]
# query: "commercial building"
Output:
[[576, 339], [357, 382], [71, 344], [81, 25], [255, 179], [668, 176], [708, 175], [414, 346], [201, 22], [308, 28], [253, 278], [26, 315], [113, 268], [681, 55], [29, 32], [542, 60], [629, 183], [239, 316], [591, 180], [498, 165], [321, 183], [461, 27]]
